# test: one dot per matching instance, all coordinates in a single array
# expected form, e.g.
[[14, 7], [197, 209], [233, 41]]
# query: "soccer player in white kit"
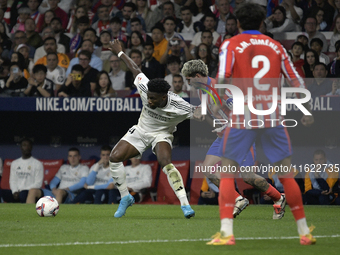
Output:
[[162, 111]]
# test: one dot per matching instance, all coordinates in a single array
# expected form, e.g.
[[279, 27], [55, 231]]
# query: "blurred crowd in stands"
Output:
[[61, 48]]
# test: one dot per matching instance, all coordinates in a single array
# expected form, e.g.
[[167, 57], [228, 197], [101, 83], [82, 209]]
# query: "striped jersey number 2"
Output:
[[264, 70]]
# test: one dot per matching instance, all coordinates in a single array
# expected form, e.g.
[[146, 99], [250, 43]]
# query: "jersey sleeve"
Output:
[[226, 62], [141, 82]]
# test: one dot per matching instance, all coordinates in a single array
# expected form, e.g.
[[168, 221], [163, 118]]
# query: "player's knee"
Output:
[[116, 156]]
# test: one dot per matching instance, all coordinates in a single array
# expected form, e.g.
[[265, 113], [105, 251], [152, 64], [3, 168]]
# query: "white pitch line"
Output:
[[153, 241]]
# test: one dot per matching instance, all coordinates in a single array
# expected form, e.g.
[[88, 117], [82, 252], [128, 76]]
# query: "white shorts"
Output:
[[142, 140]]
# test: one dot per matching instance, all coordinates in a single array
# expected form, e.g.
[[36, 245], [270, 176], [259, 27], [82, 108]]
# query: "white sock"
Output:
[[238, 198], [227, 227], [302, 227], [119, 178], [176, 182]]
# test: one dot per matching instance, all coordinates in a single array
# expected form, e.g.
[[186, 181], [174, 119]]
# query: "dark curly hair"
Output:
[[250, 16], [159, 85]]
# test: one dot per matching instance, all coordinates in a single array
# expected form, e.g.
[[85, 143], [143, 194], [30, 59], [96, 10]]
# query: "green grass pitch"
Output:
[[160, 229]]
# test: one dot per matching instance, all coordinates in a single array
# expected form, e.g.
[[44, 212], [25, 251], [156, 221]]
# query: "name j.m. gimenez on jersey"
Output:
[[253, 41]]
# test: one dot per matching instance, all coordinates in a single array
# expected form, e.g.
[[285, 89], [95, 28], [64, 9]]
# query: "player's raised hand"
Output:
[[115, 46], [307, 120]]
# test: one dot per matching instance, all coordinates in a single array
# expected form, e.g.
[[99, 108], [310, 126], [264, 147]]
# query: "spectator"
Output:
[[5, 41], [321, 24], [38, 84], [136, 25], [297, 50], [103, 22], [187, 25], [45, 20], [311, 59], [16, 83], [75, 86], [6, 7], [336, 34], [117, 75], [58, 12], [110, 4], [278, 21], [174, 66], [19, 58], [99, 182], [63, 4], [26, 173], [71, 178], [209, 22], [321, 85], [159, 42], [125, 16], [33, 5], [90, 73], [199, 8], [317, 44], [4, 73], [90, 34], [95, 62], [105, 38], [335, 89], [150, 62], [116, 30], [55, 73], [319, 180], [310, 27], [21, 38], [334, 67], [223, 8], [136, 42], [209, 193], [144, 12], [302, 38], [293, 12], [50, 45], [324, 5], [83, 23], [56, 25], [88, 4], [80, 11], [169, 28], [166, 9], [33, 38], [203, 52], [136, 56], [104, 86], [24, 14], [231, 26], [40, 52], [138, 179], [178, 85]]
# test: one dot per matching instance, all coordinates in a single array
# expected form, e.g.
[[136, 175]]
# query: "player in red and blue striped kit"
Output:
[[249, 58], [196, 73]]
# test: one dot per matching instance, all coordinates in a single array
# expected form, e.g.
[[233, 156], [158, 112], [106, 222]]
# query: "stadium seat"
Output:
[[5, 174], [155, 174], [88, 162], [165, 194], [196, 184], [51, 167]]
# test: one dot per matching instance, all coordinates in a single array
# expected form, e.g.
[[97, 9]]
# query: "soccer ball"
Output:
[[47, 206]]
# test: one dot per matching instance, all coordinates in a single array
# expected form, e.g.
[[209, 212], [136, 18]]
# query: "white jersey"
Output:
[[69, 175], [138, 177], [161, 119], [58, 75], [26, 174], [103, 174]]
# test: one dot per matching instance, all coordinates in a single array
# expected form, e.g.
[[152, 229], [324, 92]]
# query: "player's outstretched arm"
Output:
[[116, 48]]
